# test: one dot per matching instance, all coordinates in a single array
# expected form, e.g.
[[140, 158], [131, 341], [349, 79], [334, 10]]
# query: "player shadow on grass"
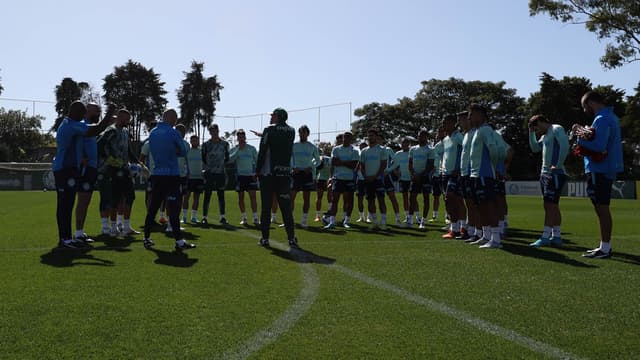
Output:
[[112, 243], [173, 258], [522, 248], [319, 230], [301, 256], [61, 257]]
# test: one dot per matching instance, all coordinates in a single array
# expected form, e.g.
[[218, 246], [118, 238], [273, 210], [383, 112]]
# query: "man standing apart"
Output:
[[304, 155], [215, 154], [245, 157], [554, 145], [66, 167], [166, 145], [274, 172], [606, 140]]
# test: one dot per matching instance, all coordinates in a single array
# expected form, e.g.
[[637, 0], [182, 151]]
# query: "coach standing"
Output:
[[601, 173], [274, 171], [66, 167], [166, 145]]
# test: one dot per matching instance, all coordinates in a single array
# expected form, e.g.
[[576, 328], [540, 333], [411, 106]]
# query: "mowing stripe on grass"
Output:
[[510, 335], [493, 329], [281, 325]]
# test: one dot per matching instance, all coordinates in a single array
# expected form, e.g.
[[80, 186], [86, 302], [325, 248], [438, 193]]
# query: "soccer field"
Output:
[[350, 294]]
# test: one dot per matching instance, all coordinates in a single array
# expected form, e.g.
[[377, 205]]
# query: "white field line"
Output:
[[302, 304]]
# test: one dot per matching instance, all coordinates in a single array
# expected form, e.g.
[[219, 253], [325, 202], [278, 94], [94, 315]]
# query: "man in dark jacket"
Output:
[[274, 171]]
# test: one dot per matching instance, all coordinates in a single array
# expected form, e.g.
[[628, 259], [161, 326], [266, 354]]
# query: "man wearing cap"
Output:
[[244, 157], [215, 154], [274, 171], [554, 144]]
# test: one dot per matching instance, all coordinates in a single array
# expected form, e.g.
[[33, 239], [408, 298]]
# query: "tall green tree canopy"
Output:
[[615, 20], [139, 90], [20, 136], [198, 96], [67, 92]]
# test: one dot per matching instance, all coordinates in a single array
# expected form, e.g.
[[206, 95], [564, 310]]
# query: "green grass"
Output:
[[121, 301]]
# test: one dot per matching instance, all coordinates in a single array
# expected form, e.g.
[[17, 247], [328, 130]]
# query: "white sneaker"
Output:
[[129, 231], [480, 241], [491, 245], [243, 221], [360, 219], [256, 221], [422, 227], [346, 225], [304, 225]]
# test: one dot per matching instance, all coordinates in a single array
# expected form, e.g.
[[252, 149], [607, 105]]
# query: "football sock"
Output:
[[546, 232], [605, 246], [556, 231]]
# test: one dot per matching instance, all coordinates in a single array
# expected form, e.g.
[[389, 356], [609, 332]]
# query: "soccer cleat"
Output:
[[330, 226], [114, 232], [369, 220], [432, 219], [451, 235], [163, 220], [542, 241], [472, 239], [223, 221], [463, 235], [346, 225], [446, 228], [129, 232], [263, 242], [316, 219], [491, 245], [194, 219], [243, 221], [480, 241], [84, 238], [184, 246], [74, 244], [597, 254], [281, 225], [105, 230], [421, 226], [184, 220], [120, 227], [204, 221], [148, 243], [293, 243], [304, 225], [256, 221], [556, 241], [360, 219]]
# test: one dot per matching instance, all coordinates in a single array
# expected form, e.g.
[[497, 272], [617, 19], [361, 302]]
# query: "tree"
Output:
[[630, 124], [1, 88], [139, 90], [20, 135], [66, 93], [618, 20], [325, 148], [198, 96]]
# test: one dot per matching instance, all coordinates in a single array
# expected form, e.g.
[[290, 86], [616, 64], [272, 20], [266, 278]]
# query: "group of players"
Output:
[[467, 162]]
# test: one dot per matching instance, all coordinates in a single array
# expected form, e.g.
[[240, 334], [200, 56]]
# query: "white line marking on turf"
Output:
[[493, 329], [483, 325], [302, 304]]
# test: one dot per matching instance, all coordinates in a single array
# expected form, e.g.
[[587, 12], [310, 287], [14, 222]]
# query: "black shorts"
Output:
[[452, 184], [341, 186], [246, 183], [360, 188], [551, 186], [66, 180], [184, 185], [321, 185], [422, 185], [121, 188], [483, 189], [374, 188], [501, 188], [303, 181], [437, 183], [87, 179], [215, 182], [390, 181], [166, 187], [599, 188], [195, 185], [405, 185], [466, 187]]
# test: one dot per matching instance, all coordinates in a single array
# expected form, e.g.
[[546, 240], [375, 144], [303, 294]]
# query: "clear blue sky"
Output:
[[294, 54]]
